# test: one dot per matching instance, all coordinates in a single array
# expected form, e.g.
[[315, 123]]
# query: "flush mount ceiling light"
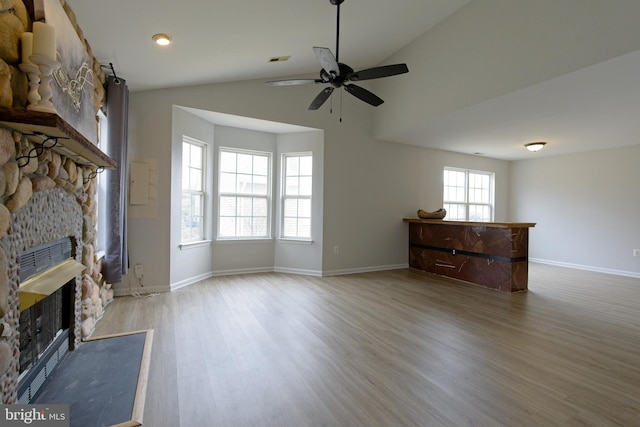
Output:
[[162, 39], [535, 146]]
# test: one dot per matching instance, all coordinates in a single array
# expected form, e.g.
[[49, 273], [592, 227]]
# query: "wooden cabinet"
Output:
[[494, 255]]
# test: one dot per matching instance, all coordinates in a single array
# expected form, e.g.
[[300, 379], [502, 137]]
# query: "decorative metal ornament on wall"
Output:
[[74, 87], [48, 143]]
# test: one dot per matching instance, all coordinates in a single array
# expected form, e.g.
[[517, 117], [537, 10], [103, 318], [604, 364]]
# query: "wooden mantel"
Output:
[[491, 254], [71, 143]]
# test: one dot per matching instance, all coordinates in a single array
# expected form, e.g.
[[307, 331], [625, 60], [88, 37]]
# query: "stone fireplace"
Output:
[[48, 216], [48, 192]]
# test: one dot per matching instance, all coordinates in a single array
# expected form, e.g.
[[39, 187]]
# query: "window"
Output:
[[244, 194], [468, 195], [296, 196], [101, 200], [193, 190]]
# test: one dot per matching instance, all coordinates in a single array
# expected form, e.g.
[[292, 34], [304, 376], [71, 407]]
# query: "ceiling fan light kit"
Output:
[[339, 75]]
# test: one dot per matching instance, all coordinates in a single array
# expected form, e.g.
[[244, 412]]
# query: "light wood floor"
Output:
[[396, 348]]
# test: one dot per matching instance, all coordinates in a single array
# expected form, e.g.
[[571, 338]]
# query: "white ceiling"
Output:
[[595, 108], [221, 41]]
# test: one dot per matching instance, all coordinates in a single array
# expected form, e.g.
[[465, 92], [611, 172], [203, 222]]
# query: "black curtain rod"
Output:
[[113, 70]]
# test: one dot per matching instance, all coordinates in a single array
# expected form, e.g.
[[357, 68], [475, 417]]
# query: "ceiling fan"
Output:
[[337, 74]]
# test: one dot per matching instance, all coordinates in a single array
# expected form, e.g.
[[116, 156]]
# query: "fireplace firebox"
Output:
[[47, 275], [41, 324]]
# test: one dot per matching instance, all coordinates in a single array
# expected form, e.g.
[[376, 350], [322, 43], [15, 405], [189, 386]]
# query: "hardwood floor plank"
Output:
[[392, 348]]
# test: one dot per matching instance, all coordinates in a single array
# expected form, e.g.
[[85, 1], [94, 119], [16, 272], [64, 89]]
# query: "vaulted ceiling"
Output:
[[222, 41], [592, 107]]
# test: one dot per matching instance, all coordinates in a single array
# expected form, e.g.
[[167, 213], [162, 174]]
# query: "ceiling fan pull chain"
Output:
[[331, 104], [341, 91]]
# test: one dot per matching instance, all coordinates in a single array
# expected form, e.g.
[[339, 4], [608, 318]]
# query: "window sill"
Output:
[[295, 241], [244, 240], [191, 245]]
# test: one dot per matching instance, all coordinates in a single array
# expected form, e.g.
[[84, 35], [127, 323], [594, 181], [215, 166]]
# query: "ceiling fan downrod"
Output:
[[337, 3]]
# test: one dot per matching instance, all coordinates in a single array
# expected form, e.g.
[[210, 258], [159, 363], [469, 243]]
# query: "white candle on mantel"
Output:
[[44, 40], [27, 47]]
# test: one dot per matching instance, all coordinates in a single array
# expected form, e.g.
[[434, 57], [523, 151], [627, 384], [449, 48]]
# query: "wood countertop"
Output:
[[471, 223]]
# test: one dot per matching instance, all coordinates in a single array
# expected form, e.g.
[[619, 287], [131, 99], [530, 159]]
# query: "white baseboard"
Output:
[[189, 281], [298, 271], [124, 290], [586, 267], [241, 271], [363, 269], [310, 272]]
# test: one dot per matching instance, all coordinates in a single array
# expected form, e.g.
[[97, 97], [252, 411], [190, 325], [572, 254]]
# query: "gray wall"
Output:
[[368, 185], [191, 262], [586, 208], [303, 257]]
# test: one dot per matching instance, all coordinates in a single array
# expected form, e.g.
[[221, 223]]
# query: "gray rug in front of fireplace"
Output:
[[103, 380]]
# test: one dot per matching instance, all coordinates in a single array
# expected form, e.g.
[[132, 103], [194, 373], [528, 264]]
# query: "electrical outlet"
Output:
[[139, 271], [636, 252]]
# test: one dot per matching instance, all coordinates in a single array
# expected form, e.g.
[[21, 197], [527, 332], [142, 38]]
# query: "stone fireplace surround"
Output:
[[65, 207], [49, 197], [49, 216]]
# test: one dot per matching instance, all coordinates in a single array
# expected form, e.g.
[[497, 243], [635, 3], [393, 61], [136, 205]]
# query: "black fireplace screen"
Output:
[[41, 323]]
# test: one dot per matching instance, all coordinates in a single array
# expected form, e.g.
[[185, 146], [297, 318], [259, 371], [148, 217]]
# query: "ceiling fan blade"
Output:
[[321, 98], [327, 60], [292, 82], [364, 95], [378, 72]]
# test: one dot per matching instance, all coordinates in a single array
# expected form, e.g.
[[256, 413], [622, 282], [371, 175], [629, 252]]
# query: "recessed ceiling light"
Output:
[[535, 146], [161, 39]]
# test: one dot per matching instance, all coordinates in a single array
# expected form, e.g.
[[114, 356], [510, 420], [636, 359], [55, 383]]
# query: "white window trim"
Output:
[[292, 240], [268, 197], [491, 205], [101, 196], [194, 244], [283, 197], [202, 240]]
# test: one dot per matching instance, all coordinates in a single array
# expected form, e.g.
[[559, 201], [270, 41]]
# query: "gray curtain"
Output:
[[116, 255]]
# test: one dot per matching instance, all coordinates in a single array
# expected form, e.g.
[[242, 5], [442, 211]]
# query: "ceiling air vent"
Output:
[[279, 58]]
